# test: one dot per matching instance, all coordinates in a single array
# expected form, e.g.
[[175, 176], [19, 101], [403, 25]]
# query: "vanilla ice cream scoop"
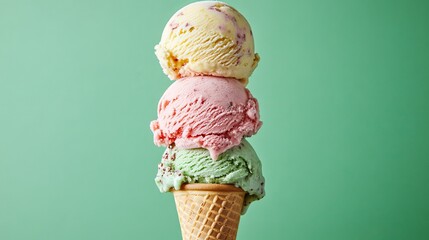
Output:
[[207, 38]]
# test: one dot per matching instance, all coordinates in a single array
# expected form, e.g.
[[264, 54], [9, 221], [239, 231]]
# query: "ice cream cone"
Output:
[[209, 211]]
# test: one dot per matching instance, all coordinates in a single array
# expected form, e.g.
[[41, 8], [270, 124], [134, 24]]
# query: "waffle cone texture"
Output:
[[209, 211]]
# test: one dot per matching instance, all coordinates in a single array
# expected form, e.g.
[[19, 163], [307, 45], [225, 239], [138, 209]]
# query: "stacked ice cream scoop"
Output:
[[204, 116]]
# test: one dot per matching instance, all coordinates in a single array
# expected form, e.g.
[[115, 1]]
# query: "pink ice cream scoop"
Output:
[[206, 112]]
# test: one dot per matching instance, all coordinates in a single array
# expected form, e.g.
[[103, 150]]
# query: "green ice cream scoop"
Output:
[[239, 166]]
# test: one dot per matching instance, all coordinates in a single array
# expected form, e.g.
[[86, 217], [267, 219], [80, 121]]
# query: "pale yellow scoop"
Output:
[[207, 38]]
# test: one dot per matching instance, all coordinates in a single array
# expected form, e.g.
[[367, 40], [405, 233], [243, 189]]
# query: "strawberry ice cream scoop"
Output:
[[206, 112]]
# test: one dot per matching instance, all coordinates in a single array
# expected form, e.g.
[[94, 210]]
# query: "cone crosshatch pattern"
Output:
[[209, 214]]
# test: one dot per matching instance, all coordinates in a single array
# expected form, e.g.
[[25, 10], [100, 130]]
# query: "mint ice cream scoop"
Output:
[[239, 166]]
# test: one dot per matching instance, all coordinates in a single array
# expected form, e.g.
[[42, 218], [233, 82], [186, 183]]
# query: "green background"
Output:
[[343, 88]]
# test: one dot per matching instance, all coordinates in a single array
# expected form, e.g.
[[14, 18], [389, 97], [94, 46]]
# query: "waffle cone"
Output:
[[209, 211]]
